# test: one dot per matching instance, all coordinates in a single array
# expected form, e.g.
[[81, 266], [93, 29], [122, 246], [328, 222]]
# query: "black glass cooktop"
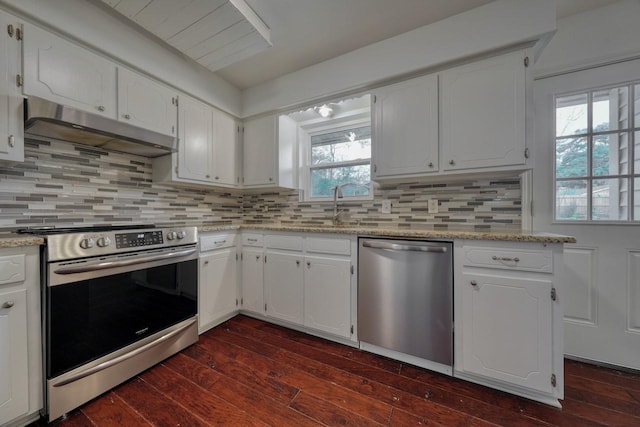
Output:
[[46, 231]]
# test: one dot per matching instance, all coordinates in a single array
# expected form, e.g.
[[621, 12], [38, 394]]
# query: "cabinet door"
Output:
[[327, 295], [11, 112], [63, 72], [252, 280], [259, 151], [406, 128], [14, 387], [144, 103], [217, 297], [507, 329], [283, 286], [225, 149], [483, 113], [195, 150]]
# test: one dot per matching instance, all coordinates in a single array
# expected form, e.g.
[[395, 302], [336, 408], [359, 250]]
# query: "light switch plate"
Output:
[[386, 207], [433, 206]]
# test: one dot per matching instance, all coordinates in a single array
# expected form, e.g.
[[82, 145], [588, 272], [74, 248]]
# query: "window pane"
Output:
[[571, 200], [636, 198], [341, 146], [636, 110], [571, 157], [610, 154], [609, 199], [637, 153], [354, 179], [611, 109], [571, 115]]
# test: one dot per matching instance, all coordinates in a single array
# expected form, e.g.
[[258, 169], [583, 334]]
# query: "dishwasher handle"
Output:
[[378, 244]]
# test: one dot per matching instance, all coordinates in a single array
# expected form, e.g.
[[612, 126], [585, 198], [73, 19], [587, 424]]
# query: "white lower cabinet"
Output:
[[20, 336], [509, 318], [303, 281], [252, 279], [283, 291], [218, 280], [327, 295]]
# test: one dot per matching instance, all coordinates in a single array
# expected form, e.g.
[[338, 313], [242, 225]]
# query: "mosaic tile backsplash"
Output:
[[67, 184]]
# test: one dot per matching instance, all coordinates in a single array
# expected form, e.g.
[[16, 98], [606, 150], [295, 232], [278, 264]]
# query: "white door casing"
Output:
[[602, 273]]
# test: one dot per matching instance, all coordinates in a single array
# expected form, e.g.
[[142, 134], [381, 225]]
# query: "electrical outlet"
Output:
[[386, 207], [433, 206]]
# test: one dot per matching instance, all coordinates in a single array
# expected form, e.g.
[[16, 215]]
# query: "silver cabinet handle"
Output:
[[12, 141], [297, 262], [220, 242], [398, 247], [126, 116], [451, 162], [474, 283], [257, 257], [430, 164], [206, 263], [8, 304], [505, 258], [252, 240], [101, 108], [309, 264]]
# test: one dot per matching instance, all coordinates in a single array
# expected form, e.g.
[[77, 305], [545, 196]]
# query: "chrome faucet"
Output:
[[337, 194]]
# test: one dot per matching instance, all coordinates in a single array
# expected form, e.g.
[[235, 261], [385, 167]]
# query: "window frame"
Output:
[[631, 175], [353, 121]]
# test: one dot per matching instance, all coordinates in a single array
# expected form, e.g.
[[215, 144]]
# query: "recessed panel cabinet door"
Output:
[[63, 72], [483, 113], [14, 392], [218, 287], [11, 111], [144, 103], [195, 149], [327, 295], [225, 149], [259, 151], [252, 280], [283, 287], [507, 329], [406, 128]]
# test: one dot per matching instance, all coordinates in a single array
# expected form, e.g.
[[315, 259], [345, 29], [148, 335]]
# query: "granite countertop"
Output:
[[13, 240], [398, 232]]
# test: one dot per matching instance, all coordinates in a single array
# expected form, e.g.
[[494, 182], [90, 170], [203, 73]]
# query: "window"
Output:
[[597, 162], [334, 149], [340, 157]]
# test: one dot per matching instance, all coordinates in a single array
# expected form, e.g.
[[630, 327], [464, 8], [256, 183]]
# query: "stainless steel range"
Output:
[[116, 302]]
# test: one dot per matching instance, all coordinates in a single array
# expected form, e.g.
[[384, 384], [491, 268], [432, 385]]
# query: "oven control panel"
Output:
[[142, 238]]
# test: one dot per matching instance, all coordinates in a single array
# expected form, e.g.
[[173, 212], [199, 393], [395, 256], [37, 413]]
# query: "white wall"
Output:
[[93, 26], [594, 37], [489, 27]]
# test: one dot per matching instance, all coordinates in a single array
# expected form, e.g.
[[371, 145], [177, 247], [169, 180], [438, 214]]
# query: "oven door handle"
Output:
[[122, 358], [93, 266]]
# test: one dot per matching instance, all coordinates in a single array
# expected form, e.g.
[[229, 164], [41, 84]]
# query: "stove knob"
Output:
[[104, 242], [86, 243], [181, 234], [171, 235]]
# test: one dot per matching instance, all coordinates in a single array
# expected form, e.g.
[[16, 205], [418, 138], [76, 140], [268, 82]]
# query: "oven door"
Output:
[[96, 306]]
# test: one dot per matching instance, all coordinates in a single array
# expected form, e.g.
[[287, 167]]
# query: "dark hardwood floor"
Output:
[[247, 372]]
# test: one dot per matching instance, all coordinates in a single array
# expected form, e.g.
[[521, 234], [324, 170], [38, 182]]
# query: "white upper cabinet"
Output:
[[145, 103], [195, 148], [269, 152], [483, 113], [259, 152], [406, 128], [226, 156], [11, 112], [63, 72]]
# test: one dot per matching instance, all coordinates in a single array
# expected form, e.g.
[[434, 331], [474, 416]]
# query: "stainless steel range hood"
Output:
[[48, 119]]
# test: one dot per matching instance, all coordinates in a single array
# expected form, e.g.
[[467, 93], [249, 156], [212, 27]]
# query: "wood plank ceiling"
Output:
[[215, 33]]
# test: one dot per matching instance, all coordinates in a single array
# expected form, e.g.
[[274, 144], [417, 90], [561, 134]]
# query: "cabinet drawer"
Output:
[[250, 239], [216, 241], [291, 243], [12, 269], [325, 245], [540, 261]]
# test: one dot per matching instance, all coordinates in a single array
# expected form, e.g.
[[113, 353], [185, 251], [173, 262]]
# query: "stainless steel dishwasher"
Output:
[[405, 301]]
